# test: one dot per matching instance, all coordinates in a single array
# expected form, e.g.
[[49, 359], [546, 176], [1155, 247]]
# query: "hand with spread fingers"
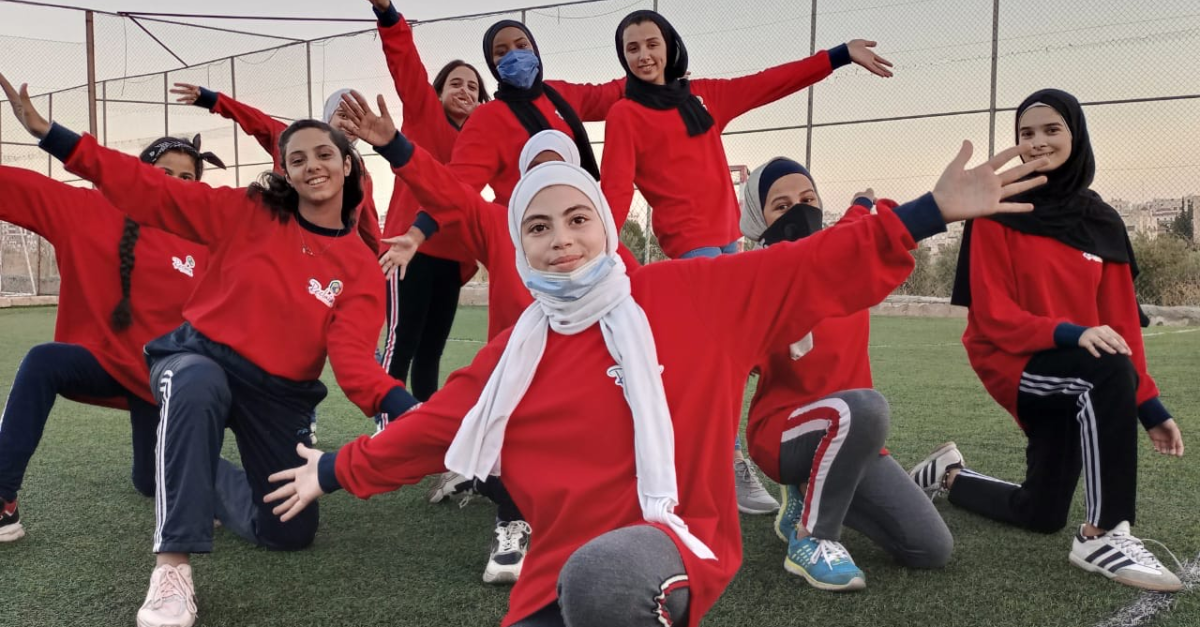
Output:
[[862, 54], [22, 106], [303, 485], [964, 194], [377, 130]]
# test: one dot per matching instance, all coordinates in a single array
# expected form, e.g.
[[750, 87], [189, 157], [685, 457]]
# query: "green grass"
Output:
[[400, 561]]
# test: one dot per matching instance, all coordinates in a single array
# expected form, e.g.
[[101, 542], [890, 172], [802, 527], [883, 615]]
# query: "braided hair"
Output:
[[122, 315]]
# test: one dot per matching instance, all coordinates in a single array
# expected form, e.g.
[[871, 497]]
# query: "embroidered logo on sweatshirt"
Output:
[[1091, 257], [327, 294], [618, 373], [186, 265]]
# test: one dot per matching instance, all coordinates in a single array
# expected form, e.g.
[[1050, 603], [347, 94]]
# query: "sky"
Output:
[[1100, 50]]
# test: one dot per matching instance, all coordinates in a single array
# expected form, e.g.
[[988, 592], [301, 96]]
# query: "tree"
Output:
[[1170, 271], [634, 239], [1181, 226]]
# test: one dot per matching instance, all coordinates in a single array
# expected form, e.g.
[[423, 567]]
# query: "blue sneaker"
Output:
[[791, 507], [824, 563]]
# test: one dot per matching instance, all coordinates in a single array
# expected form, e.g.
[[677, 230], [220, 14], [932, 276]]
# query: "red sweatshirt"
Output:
[[838, 361], [1023, 287], [267, 130], [277, 306], [568, 448], [426, 125], [686, 179], [483, 229], [490, 145], [85, 231]]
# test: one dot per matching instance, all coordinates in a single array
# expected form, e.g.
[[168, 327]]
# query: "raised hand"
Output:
[[22, 107], [963, 194], [402, 250], [869, 194], [377, 130], [302, 487], [1166, 438], [382, 5], [187, 92], [1103, 338], [861, 54]]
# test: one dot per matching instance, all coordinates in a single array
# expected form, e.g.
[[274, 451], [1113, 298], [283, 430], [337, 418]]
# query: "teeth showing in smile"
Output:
[[317, 181]]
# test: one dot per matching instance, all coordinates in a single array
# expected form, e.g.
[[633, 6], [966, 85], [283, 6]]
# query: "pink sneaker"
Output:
[[171, 600]]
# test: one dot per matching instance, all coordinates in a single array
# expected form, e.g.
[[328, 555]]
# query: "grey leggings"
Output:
[[632, 577], [834, 447]]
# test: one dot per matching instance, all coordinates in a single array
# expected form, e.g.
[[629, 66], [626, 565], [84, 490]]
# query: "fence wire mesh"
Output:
[[961, 68]]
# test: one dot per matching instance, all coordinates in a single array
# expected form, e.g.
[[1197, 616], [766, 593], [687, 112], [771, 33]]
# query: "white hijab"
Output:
[[552, 140], [605, 299]]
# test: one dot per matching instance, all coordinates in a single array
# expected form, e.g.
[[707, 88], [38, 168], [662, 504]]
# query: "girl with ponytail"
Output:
[[121, 286]]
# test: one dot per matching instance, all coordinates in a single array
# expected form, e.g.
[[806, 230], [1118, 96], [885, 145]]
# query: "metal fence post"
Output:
[[90, 24], [237, 162], [992, 106], [308, 63], [812, 49]]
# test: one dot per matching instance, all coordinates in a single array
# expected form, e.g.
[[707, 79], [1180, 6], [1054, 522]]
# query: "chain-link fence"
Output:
[[961, 68]]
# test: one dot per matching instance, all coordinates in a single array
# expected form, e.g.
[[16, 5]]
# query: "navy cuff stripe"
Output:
[[1153, 413], [396, 402], [207, 99], [327, 473], [387, 18], [426, 224], [60, 141], [839, 56], [863, 201], [397, 152], [1066, 335], [921, 217]]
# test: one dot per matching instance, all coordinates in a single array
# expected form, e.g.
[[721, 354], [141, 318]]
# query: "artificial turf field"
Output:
[[400, 561]]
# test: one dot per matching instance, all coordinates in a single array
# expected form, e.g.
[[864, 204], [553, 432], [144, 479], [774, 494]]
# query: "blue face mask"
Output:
[[571, 285], [519, 68]]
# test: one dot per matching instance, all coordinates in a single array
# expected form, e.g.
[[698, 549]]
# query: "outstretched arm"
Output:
[[253, 122]]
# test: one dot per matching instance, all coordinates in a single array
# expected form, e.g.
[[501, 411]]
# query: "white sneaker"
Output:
[[930, 474], [508, 552], [451, 485], [752, 497], [1124, 559], [171, 600]]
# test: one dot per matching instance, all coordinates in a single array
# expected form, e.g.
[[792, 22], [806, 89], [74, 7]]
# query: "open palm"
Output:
[[377, 130], [963, 194]]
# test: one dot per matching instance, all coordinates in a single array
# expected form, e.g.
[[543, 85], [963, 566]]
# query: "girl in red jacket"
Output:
[[1053, 333], [597, 408], [267, 130], [816, 424], [421, 304], [288, 285], [665, 137], [487, 150], [121, 286]]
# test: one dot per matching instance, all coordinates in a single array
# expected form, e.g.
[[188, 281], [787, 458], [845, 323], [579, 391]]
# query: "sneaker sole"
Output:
[[757, 511], [141, 623], [502, 575], [437, 493], [783, 503], [1143, 585], [938, 452], [12, 533], [858, 583]]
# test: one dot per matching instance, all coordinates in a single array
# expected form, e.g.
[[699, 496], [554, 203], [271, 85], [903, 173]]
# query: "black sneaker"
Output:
[[10, 522], [508, 552]]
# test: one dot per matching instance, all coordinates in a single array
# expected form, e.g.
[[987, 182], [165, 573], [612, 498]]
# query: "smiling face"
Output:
[[788, 191], [509, 38], [561, 230], [645, 52], [177, 164], [1051, 138], [460, 95], [315, 167]]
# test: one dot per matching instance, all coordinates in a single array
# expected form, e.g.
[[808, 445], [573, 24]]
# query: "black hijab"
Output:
[[677, 92], [520, 101], [1064, 208]]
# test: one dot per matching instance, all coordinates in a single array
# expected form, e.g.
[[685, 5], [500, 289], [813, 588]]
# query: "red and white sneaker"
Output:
[[10, 522], [171, 600]]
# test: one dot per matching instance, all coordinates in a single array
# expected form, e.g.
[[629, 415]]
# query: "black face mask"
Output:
[[799, 222]]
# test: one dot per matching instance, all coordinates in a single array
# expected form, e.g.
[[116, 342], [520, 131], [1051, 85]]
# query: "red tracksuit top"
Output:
[[426, 125], [483, 227], [838, 361], [686, 179], [85, 231], [267, 130], [280, 308], [1024, 286], [568, 448], [490, 144]]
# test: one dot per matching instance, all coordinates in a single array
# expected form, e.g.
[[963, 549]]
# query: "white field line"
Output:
[[1150, 604]]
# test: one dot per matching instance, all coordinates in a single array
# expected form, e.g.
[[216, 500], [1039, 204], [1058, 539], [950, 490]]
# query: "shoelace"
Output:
[[746, 475], [172, 586], [1136, 549], [510, 536], [831, 552]]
